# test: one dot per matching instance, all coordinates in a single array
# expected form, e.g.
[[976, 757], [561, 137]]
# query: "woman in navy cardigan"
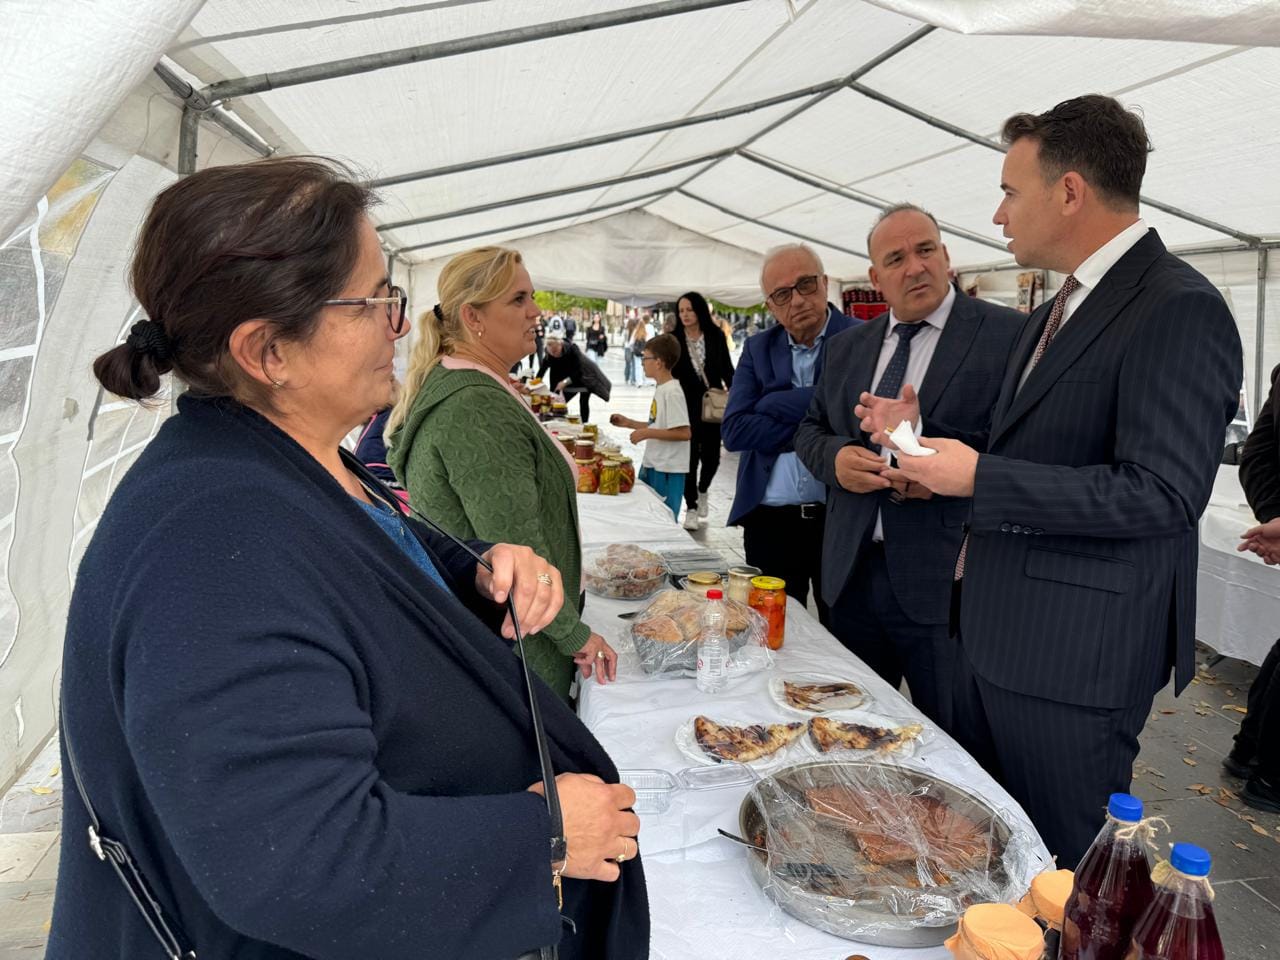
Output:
[[301, 712]]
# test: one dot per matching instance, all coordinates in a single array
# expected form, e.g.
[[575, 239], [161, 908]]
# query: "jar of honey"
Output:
[[588, 479], [610, 478], [584, 447], [768, 598]]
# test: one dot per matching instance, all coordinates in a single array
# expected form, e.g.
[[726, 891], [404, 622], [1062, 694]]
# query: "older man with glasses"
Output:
[[779, 504]]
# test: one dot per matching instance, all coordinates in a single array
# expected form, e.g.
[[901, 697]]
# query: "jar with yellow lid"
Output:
[[592, 429], [610, 478], [701, 581], [768, 598]]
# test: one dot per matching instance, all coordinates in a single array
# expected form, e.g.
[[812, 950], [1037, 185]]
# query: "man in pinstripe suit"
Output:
[[1077, 589]]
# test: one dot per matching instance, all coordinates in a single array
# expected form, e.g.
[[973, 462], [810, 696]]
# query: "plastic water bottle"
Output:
[[1112, 888], [713, 648], [1179, 924]]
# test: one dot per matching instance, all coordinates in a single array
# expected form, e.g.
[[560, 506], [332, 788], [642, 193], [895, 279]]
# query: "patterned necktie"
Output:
[[1069, 286], [891, 380]]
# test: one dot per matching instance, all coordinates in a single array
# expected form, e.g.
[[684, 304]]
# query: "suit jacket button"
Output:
[[1038, 531], [1004, 528], [1016, 528]]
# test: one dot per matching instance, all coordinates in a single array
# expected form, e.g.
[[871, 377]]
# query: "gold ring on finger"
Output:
[[545, 578]]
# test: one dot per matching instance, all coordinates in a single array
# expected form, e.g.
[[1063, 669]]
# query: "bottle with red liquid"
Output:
[[1112, 888], [1179, 924]]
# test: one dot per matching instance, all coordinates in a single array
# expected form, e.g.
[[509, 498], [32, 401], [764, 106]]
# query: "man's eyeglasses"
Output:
[[647, 356], [804, 286], [396, 304]]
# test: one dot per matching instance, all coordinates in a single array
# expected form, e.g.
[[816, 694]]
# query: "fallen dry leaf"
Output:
[[1201, 712], [1154, 772], [1237, 843], [1192, 748], [1236, 707], [1230, 692], [42, 791], [1262, 831], [55, 771], [1168, 713], [1229, 794], [1189, 762]]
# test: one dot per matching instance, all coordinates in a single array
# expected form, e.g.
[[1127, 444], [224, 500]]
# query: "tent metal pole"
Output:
[[769, 226], [1259, 343], [643, 198], [312, 73], [982, 141], [589, 142], [188, 139], [859, 198], [882, 57], [215, 112], [550, 194]]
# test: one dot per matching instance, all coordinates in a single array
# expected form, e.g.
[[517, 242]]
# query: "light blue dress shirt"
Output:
[[790, 481]]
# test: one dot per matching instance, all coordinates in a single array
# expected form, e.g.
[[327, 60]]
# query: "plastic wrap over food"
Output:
[[881, 852], [665, 636], [623, 571]]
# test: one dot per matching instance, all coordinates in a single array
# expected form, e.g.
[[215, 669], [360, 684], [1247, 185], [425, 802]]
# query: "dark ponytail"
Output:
[[133, 369]]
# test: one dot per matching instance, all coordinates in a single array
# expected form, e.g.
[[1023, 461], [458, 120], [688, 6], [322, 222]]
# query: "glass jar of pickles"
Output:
[[768, 598], [610, 478], [740, 582], [588, 479], [629, 477], [592, 429]]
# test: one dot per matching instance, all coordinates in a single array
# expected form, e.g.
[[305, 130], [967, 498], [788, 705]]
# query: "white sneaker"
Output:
[[690, 519], [702, 505]]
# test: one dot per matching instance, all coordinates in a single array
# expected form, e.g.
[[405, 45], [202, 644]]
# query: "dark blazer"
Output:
[[1260, 458], [312, 749], [921, 537], [765, 409], [1080, 580], [576, 367]]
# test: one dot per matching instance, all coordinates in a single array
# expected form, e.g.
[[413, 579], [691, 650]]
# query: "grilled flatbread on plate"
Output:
[[821, 697], [828, 734], [743, 744]]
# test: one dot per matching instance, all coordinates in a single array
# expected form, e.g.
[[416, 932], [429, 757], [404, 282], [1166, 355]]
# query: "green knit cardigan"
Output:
[[475, 461]]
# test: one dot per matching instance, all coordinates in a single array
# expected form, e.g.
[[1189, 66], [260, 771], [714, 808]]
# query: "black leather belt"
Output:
[[805, 511]]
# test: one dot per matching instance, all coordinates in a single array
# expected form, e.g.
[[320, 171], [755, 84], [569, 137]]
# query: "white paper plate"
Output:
[[872, 720], [687, 743], [779, 695]]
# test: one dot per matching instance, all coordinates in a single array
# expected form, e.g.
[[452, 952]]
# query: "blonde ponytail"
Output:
[[476, 277]]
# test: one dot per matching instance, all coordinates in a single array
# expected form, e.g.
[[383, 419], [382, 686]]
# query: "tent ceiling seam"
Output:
[[552, 194], [770, 226], [312, 73]]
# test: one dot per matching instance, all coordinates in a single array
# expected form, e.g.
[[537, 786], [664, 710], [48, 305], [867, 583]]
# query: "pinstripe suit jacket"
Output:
[[921, 537], [1081, 572]]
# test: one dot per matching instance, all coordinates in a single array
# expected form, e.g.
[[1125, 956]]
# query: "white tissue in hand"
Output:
[[904, 438]]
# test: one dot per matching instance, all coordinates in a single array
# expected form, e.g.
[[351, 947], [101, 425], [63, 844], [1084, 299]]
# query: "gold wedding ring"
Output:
[[623, 855], [545, 578], [599, 654]]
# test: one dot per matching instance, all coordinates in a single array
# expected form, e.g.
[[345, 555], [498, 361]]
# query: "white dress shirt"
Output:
[[922, 347], [1090, 273]]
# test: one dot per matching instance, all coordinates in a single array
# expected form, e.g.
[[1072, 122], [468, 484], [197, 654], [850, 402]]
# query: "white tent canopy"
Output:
[[630, 150]]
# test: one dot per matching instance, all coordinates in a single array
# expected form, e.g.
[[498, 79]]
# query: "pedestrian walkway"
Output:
[[1178, 773]]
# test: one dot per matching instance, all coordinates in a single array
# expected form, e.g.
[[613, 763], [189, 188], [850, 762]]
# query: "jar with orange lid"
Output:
[[768, 598]]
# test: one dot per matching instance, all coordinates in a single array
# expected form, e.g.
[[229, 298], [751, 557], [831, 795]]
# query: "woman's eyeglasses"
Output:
[[397, 304]]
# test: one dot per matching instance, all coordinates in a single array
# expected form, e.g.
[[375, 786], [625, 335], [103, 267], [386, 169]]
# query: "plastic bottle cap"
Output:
[[715, 594], [1124, 806], [1189, 859]]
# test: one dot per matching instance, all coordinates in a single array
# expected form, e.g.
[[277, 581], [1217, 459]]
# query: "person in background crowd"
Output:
[[539, 339], [371, 447], [704, 363], [1256, 753], [570, 327], [666, 434], [597, 337], [1078, 575], [572, 373], [778, 503], [472, 455], [891, 551], [628, 351], [299, 710]]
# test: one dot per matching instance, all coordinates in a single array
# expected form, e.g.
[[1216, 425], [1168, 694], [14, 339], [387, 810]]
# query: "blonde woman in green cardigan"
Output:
[[475, 459]]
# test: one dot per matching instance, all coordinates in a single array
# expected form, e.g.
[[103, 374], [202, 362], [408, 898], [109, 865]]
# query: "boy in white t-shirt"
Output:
[[666, 436]]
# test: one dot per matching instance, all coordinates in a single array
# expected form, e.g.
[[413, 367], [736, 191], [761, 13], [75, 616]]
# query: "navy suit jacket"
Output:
[[960, 387], [1080, 577], [765, 409]]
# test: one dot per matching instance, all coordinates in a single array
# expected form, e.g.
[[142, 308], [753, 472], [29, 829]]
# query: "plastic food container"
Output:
[[623, 571]]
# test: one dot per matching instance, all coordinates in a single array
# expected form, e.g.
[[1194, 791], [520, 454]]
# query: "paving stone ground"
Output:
[[1178, 773]]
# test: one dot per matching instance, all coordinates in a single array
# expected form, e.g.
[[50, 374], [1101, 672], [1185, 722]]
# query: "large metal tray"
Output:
[[799, 891]]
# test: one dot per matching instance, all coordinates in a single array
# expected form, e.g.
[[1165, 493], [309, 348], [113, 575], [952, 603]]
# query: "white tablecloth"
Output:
[[703, 900], [1237, 595]]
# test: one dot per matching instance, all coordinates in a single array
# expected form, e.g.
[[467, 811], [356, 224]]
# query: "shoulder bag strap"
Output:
[[169, 935]]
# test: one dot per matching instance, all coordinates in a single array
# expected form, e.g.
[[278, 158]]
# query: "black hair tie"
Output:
[[438, 312], [147, 336]]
